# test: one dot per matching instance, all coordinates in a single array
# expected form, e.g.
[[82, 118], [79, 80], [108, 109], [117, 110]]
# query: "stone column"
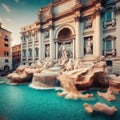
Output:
[[117, 41], [52, 44], [27, 52], [21, 62], [56, 50], [77, 42], [39, 36], [97, 39], [33, 46], [73, 49], [40, 45], [82, 39]]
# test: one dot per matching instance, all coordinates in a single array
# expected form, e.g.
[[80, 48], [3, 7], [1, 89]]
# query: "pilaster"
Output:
[[52, 44], [97, 37], [33, 46], [56, 50], [77, 42], [41, 45], [27, 53], [21, 49]]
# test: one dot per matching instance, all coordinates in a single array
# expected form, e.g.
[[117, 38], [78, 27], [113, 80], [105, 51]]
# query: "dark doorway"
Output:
[[6, 68]]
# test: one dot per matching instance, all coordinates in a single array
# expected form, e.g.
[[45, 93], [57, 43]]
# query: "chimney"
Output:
[[0, 25]]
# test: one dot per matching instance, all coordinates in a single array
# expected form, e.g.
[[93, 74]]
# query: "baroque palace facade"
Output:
[[16, 56], [88, 29]]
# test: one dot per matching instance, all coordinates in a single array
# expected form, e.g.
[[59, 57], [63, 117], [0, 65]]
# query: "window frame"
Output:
[[30, 53], [111, 51], [6, 61], [111, 22]]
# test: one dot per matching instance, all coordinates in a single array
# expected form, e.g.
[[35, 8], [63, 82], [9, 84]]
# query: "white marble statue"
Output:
[[63, 50], [88, 46]]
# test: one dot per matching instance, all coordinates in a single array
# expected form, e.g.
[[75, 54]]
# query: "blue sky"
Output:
[[15, 14]]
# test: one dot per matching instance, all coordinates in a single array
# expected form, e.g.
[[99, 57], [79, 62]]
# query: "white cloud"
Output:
[[9, 20], [0, 19], [6, 8]]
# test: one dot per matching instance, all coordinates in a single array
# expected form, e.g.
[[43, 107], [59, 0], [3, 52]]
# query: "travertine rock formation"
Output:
[[22, 74], [100, 107], [109, 95], [83, 77], [114, 83]]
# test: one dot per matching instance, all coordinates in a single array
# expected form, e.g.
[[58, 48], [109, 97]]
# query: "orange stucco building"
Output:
[[5, 49]]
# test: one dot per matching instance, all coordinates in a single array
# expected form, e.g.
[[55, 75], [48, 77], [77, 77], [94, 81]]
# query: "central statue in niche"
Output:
[[65, 51]]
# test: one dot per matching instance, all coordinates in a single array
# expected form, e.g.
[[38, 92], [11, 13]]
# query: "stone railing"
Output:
[[109, 52], [107, 23]]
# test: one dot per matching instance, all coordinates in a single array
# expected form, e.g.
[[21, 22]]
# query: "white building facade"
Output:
[[88, 28]]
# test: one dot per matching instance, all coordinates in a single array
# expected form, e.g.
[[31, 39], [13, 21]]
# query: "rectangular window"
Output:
[[109, 63], [6, 38], [6, 45], [30, 53], [109, 45], [6, 53], [6, 60], [24, 39], [109, 15]]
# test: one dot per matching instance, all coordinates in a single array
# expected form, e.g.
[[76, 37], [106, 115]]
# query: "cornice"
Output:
[[58, 2]]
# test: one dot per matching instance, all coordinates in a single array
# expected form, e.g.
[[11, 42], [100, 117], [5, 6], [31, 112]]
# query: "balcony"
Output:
[[36, 58], [107, 23], [24, 44], [30, 58], [30, 46], [30, 40], [24, 59], [109, 52]]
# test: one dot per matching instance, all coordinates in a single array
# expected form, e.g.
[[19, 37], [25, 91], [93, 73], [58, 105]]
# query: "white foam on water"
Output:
[[45, 88]]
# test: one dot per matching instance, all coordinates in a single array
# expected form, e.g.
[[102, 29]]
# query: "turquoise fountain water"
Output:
[[24, 103]]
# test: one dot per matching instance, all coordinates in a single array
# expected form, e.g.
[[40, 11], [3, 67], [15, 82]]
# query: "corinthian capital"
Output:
[[77, 18], [117, 9], [97, 11]]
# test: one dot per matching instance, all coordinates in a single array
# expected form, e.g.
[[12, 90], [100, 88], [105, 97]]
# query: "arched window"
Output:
[[109, 45], [24, 53], [23, 37], [36, 52], [30, 52]]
